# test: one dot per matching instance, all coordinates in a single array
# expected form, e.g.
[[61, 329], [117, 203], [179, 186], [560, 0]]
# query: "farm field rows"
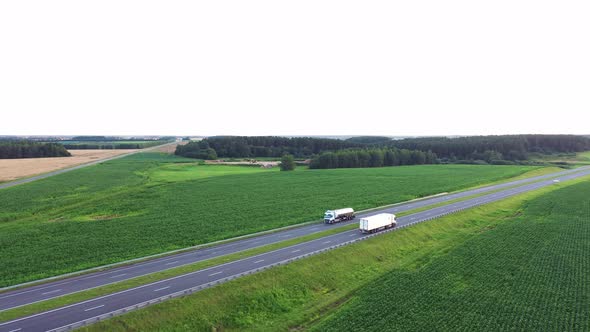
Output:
[[474, 270], [150, 203], [532, 274]]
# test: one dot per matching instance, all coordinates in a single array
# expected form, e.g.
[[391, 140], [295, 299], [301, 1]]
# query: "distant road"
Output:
[[58, 288], [90, 311], [64, 170]]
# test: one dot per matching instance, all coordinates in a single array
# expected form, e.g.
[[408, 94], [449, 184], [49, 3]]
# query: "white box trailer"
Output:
[[377, 222], [332, 216]]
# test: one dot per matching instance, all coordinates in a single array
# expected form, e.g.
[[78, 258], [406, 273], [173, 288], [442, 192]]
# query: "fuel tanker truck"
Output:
[[334, 216]]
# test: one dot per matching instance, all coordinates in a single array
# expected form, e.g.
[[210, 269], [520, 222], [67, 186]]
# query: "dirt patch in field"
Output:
[[12, 169]]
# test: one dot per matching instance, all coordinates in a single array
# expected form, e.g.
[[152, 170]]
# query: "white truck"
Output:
[[333, 216], [377, 222]]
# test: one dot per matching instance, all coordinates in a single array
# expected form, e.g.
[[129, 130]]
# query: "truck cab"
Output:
[[329, 217]]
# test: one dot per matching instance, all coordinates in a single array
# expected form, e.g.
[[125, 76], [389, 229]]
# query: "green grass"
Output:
[[532, 274], [126, 208], [517, 264]]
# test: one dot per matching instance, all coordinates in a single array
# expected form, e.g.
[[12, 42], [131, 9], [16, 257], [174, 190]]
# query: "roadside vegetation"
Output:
[[150, 203], [466, 271]]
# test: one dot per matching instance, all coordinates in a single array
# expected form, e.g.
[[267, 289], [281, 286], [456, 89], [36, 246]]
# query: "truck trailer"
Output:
[[377, 223], [334, 216]]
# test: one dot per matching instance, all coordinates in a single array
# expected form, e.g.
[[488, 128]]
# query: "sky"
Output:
[[294, 67]]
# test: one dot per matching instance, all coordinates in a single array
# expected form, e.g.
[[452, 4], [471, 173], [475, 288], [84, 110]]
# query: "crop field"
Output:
[[12, 169], [150, 203], [532, 274], [517, 264]]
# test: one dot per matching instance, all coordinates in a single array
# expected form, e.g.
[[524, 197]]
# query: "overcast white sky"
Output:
[[294, 67]]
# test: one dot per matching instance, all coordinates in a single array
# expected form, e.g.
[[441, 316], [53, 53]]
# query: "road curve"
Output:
[[58, 288], [90, 311], [64, 170]]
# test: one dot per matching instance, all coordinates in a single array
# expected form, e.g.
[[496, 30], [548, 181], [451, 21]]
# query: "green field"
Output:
[[518, 264], [532, 274], [150, 203]]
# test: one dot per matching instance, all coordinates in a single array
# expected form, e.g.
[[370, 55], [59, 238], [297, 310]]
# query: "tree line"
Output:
[[491, 149], [375, 157], [28, 149], [273, 146], [107, 146], [197, 150]]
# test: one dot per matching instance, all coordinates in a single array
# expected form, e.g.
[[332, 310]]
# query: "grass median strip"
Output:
[[127, 284]]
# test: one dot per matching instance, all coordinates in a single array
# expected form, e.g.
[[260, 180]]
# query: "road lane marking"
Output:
[[15, 330], [53, 291], [259, 261], [159, 289], [256, 242], [171, 263], [327, 242], [352, 234], [297, 250], [119, 275], [212, 274], [286, 235], [98, 306]]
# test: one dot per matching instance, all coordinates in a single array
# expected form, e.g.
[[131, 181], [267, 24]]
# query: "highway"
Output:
[[64, 170], [86, 312], [58, 288]]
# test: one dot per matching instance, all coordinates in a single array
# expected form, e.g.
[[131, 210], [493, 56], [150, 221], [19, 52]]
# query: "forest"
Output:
[[490, 149], [359, 158], [27, 149], [261, 146], [352, 152]]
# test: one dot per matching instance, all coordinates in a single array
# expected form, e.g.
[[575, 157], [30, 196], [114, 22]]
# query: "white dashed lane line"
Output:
[[98, 306]]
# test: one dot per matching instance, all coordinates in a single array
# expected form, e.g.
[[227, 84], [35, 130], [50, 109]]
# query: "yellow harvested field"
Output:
[[12, 169]]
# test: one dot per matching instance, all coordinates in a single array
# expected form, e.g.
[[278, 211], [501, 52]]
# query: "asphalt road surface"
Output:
[[87, 312], [64, 170], [50, 290]]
